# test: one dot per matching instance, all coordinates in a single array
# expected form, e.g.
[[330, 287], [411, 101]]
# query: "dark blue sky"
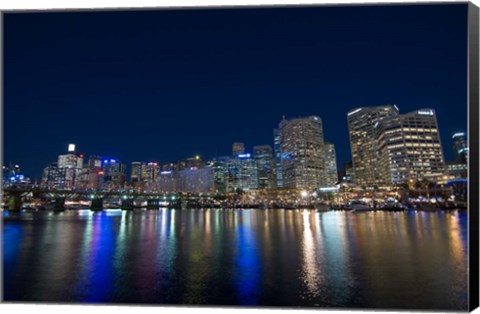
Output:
[[164, 85]]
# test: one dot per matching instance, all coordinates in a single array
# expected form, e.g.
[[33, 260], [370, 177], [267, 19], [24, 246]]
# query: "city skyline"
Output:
[[158, 90]]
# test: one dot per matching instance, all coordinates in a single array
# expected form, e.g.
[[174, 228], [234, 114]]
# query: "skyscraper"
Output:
[[219, 173], [149, 172], [460, 147], [410, 147], [331, 172], [241, 173], [55, 177], [95, 172], [265, 166], [238, 148], [302, 153], [136, 173], [70, 169], [114, 173], [278, 158], [364, 145]]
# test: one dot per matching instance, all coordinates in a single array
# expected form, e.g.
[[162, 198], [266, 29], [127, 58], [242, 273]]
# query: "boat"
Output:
[[359, 206]]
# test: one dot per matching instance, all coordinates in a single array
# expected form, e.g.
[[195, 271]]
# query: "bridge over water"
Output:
[[14, 198]]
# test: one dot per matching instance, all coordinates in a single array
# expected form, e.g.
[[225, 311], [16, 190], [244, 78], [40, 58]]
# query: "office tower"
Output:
[[136, 172], [457, 169], [331, 172], [348, 174], [238, 148], [149, 172], [70, 161], [82, 178], [278, 159], [49, 176], [364, 145], [95, 172], [219, 173], [241, 173], [73, 161], [460, 147], [410, 147], [302, 153], [94, 162], [263, 157], [114, 174], [55, 177]]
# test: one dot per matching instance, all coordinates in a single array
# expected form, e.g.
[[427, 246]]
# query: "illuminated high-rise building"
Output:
[[219, 173], [76, 176], [460, 147], [302, 153], [331, 172], [278, 158], [114, 173], [263, 157], [95, 172], [55, 177], [241, 173], [150, 172], [363, 143], [410, 147], [238, 148], [95, 162], [136, 172]]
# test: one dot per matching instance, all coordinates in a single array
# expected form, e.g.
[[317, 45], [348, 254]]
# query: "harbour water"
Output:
[[237, 257]]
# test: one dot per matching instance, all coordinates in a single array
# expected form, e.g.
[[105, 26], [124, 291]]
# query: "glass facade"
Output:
[[302, 153]]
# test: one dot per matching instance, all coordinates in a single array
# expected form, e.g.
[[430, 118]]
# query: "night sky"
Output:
[[165, 85]]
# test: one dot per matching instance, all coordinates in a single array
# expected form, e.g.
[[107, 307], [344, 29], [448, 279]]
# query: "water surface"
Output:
[[238, 257]]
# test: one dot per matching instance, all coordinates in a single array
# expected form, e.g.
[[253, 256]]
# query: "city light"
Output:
[[425, 113], [355, 111]]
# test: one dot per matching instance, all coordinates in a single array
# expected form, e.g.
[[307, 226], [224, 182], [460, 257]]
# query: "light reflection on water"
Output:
[[238, 257]]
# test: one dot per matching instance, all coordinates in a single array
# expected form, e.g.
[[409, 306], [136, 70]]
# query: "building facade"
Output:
[[302, 153], [114, 174], [411, 148], [263, 156], [241, 173], [331, 171], [460, 147], [238, 148], [196, 180], [363, 134], [136, 173], [278, 158]]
